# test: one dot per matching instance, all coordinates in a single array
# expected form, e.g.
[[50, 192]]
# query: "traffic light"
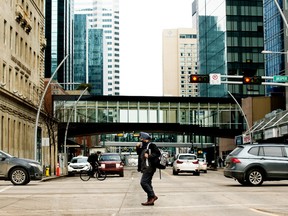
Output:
[[252, 80], [196, 78]]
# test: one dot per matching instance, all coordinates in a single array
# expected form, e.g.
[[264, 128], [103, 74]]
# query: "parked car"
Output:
[[19, 171], [78, 164], [252, 164], [202, 165], [186, 162], [112, 163]]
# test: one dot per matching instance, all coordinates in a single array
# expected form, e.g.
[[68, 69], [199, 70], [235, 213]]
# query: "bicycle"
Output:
[[99, 174]]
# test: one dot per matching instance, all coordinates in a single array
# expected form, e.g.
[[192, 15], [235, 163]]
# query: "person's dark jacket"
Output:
[[154, 154], [93, 158]]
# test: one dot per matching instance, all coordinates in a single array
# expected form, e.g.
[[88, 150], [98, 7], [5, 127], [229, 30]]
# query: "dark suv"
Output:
[[252, 164], [19, 170]]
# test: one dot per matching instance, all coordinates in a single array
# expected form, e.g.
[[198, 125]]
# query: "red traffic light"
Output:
[[196, 78], [252, 80]]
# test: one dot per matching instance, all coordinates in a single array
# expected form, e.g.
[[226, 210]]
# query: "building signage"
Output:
[[284, 130], [271, 133], [246, 138]]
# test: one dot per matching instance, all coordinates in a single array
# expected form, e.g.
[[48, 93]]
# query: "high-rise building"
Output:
[[230, 35], [274, 41], [59, 35], [179, 62], [103, 21]]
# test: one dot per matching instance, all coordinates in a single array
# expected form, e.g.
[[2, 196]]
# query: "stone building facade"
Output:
[[22, 45]]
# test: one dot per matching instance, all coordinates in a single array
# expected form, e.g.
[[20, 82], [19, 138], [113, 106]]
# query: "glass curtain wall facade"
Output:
[[106, 17], [80, 50], [230, 43], [59, 35], [103, 16], [95, 60], [274, 41]]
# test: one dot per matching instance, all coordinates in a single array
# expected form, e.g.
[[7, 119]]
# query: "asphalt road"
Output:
[[208, 194]]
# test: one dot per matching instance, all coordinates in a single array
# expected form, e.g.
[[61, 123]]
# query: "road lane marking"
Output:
[[6, 188]]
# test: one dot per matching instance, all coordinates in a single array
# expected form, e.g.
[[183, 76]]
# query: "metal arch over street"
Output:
[[218, 117]]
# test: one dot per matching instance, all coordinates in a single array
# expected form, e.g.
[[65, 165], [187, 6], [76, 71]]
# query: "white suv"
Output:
[[186, 162], [78, 164]]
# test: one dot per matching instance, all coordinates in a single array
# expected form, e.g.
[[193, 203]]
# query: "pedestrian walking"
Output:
[[147, 152]]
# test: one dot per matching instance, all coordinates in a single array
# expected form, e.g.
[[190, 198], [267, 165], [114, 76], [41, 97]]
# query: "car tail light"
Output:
[[195, 162], [179, 162], [235, 160]]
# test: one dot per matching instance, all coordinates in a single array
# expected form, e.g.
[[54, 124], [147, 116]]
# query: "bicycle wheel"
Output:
[[85, 175], [100, 175]]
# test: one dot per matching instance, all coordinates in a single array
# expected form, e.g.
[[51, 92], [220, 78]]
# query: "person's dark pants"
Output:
[[146, 183]]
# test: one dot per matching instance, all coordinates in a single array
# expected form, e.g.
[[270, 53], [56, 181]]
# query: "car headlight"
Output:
[[36, 165]]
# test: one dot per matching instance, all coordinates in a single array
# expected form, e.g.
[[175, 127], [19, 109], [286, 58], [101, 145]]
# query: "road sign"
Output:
[[215, 79], [280, 78]]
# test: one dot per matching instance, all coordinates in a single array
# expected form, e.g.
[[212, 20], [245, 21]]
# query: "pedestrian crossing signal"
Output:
[[252, 80], [196, 78]]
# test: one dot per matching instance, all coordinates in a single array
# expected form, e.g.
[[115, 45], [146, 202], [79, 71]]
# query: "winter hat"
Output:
[[144, 135]]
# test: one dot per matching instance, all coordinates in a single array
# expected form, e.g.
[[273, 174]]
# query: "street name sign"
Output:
[[280, 78]]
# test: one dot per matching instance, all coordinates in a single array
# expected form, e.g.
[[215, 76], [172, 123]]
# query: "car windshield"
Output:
[[187, 157], [79, 160], [110, 158]]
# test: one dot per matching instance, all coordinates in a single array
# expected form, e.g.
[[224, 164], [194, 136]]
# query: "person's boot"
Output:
[[154, 198], [150, 201]]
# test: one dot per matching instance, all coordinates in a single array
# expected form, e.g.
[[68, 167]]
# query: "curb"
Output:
[[49, 178]]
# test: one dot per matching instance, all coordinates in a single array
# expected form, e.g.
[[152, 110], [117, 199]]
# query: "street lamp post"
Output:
[[40, 105], [67, 126], [74, 108], [243, 113]]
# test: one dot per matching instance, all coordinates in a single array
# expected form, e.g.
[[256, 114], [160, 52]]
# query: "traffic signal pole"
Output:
[[241, 82]]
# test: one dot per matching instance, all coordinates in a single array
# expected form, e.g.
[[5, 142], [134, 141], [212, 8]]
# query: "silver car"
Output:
[[19, 170], [252, 164]]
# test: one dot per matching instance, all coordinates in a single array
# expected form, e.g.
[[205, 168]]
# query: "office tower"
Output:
[[179, 62], [59, 35], [103, 20], [274, 41], [230, 37]]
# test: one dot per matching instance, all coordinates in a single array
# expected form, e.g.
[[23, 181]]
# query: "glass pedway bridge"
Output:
[[217, 117]]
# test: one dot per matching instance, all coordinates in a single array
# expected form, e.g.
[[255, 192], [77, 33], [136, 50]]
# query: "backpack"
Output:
[[161, 162]]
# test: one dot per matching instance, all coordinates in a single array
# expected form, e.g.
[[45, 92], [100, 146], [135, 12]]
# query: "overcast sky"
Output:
[[141, 26]]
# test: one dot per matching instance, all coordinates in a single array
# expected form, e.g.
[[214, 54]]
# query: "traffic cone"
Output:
[[58, 170]]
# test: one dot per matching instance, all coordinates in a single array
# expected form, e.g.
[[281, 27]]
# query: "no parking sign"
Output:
[[215, 79]]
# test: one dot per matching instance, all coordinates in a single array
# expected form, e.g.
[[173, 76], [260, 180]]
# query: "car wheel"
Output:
[[175, 172], [197, 173], [121, 174], [254, 177], [205, 171], [19, 176]]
